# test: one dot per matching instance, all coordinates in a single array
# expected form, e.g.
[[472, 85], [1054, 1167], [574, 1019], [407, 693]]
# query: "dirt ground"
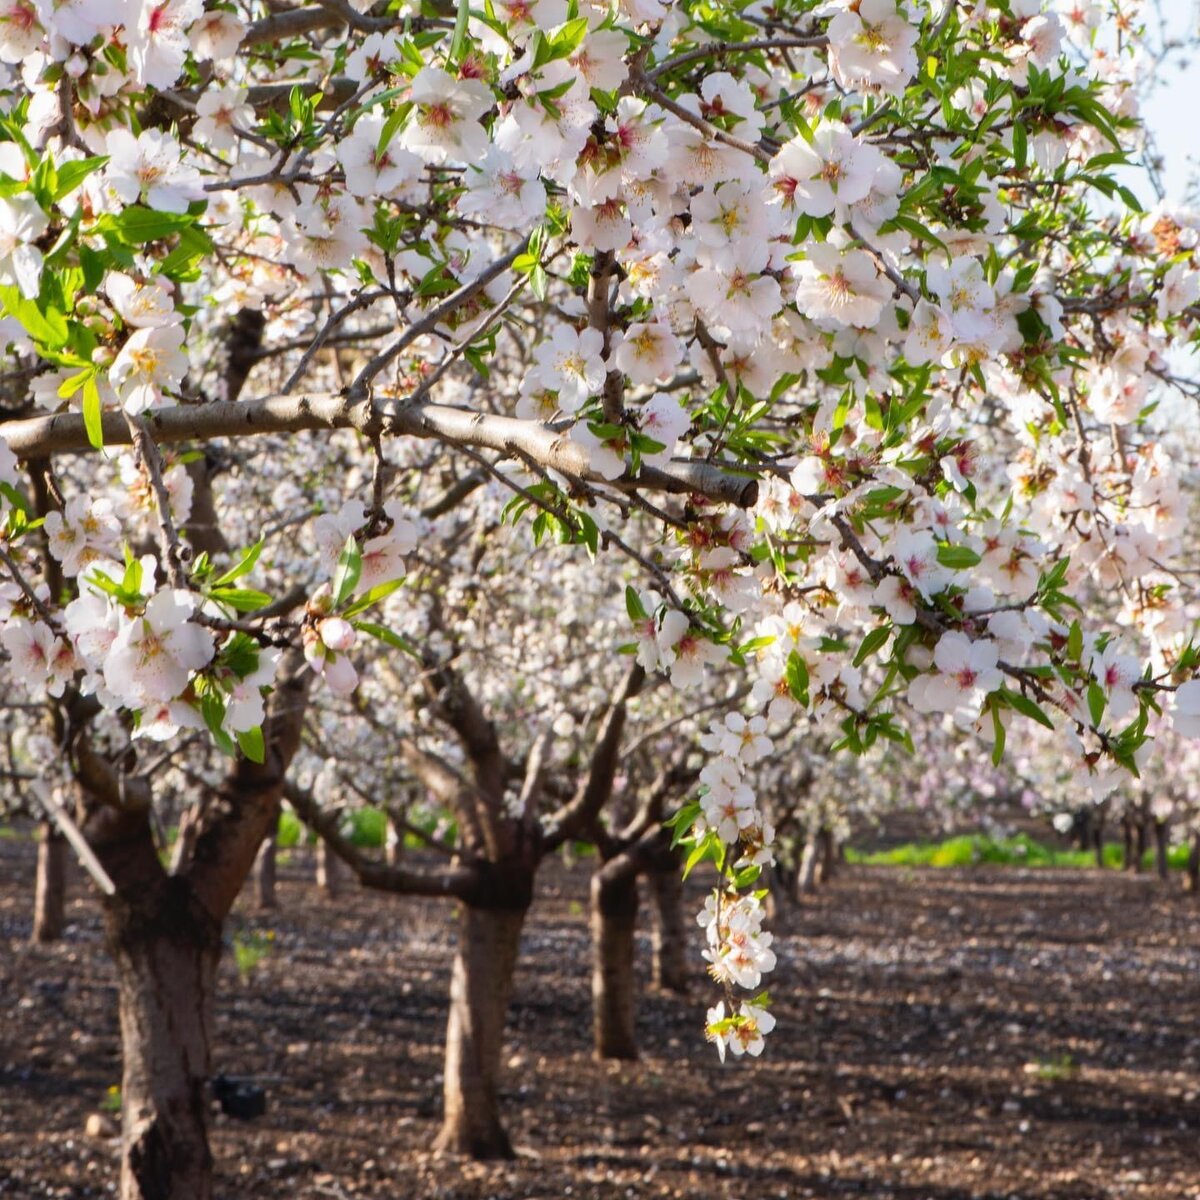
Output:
[[981, 1035]]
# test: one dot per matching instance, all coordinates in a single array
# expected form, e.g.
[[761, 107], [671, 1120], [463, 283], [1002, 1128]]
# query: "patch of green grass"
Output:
[[1053, 1070], [9, 834], [970, 850], [250, 948], [291, 831]]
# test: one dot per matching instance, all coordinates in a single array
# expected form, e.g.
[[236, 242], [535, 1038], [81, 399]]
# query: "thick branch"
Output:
[[38, 437], [449, 881]]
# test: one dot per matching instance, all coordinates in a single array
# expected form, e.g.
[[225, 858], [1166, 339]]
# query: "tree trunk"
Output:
[[829, 859], [264, 873], [393, 847], [1139, 846], [166, 958], [1126, 844], [479, 989], [49, 893], [614, 923], [1193, 866], [328, 876], [1162, 845], [669, 937], [806, 874], [1098, 840]]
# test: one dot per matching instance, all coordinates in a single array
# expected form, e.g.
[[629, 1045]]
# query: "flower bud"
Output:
[[337, 634]]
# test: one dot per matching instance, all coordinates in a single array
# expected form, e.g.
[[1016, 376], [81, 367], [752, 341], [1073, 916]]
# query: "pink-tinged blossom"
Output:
[[22, 222], [371, 171], [444, 123], [141, 304], [40, 660], [843, 286], [157, 39], [572, 363], [151, 363], [871, 46], [149, 168], [816, 177], [648, 352], [154, 655]]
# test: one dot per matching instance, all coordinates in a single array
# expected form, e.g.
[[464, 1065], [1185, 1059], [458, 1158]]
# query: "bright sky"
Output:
[[1172, 110]]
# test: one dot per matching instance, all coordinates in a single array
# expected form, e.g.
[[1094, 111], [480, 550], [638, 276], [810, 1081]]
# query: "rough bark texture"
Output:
[[669, 937], [49, 895], [614, 923], [479, 991], [166, 949], [264, 873]]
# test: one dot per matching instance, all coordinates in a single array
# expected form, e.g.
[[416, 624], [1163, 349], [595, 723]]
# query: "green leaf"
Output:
[[1096, 701], [241, 599], [957, 558], [243, 566], [379, 592], [252, 744], [72, 174], [93, 418], [137, 225], [797, 678], [43, 322], [1026, 707], [872, 642], [1075, 642], [458, 41], [212, 708], [1000, 735], [349, 568], [1020, 146], [634, 606], [388, 636]]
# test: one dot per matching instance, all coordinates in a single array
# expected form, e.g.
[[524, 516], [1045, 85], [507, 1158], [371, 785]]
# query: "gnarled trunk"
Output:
[[669, 937], [614, 897], [479, 989], [49, 892], [265, 872], [166, 956]]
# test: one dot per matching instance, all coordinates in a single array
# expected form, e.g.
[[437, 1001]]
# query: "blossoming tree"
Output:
[[835, 323]]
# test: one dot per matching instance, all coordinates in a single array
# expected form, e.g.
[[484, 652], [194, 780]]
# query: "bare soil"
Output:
[[971, 1035]]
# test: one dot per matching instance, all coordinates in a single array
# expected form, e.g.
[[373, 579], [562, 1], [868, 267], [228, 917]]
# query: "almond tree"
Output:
[[837, 323]]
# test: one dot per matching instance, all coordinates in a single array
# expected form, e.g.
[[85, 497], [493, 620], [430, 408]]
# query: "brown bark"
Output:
[[614, 897], [1162, 862], [479, 990], [829, 855], [1193, 866], [166, 949], [49, 896], [1126, 844], [265, 872], [669, 936], [1098, 839], [1139, 846]]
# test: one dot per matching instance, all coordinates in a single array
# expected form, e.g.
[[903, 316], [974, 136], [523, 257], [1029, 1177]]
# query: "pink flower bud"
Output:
[[337, 634]]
